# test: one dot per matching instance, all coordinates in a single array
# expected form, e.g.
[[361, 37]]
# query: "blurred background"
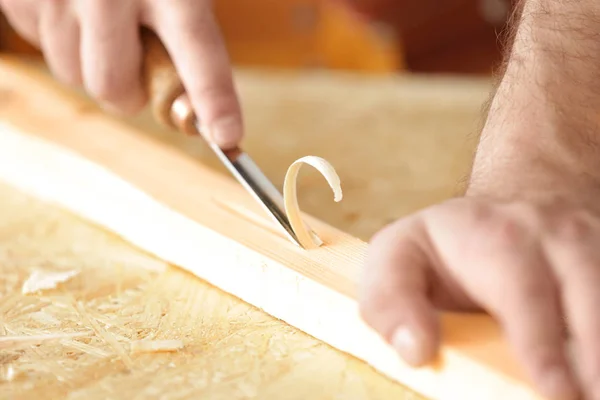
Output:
[[391, 92], [370, 36]]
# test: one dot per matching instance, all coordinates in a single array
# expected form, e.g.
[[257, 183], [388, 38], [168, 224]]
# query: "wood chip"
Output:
[[307, 238], [155, 346], [43, 280]]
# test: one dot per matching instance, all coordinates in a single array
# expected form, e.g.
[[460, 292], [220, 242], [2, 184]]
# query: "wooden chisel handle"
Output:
[[166, 94]]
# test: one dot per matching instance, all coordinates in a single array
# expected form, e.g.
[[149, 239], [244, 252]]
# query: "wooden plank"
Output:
[[194, 218]]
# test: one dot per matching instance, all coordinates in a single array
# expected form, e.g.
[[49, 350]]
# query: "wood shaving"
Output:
[[155, 346], [307, 238], [43, 280]]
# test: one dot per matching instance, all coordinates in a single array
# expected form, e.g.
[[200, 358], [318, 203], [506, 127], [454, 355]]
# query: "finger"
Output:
[[59, 41], [576, 260], [394, 292], [192, 38], [531, 318], [111, 53], [23, 16], [502, 267]]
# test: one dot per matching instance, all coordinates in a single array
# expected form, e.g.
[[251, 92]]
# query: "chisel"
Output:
[[172, 107]]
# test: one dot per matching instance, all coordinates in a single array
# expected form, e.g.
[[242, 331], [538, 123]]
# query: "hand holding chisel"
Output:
[[96, 44], [172, 106]]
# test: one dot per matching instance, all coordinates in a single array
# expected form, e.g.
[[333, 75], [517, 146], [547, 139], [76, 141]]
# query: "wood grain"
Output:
[[302, 288]]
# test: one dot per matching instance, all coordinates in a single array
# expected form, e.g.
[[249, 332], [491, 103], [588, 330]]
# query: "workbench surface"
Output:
[[398, 144]]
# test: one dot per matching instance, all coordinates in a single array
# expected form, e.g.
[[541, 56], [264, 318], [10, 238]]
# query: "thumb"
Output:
[[394, 292]]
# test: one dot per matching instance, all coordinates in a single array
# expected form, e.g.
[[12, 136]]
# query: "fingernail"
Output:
[[556, 383], [410, 346], [226, 132]]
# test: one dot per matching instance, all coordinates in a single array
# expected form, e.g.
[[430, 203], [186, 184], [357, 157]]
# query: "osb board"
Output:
[[232, 351], [398, 144]]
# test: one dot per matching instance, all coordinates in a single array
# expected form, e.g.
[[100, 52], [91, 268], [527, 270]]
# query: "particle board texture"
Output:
[[398, 144]]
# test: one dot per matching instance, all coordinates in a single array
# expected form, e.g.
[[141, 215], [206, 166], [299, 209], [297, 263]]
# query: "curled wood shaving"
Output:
[[307, 238], [155, 346], [42, 280]]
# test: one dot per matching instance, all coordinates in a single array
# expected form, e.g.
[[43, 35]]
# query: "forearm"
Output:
[[543, 125]]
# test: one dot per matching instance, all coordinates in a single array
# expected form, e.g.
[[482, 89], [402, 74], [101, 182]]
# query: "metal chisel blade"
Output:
[[245, 170]]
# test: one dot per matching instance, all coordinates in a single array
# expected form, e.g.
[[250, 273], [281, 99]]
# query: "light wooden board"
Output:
[[42, 96]]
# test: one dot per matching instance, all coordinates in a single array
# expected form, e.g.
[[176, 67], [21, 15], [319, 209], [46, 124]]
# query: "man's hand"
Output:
[[523, 244], [535, 267], [96, 44]]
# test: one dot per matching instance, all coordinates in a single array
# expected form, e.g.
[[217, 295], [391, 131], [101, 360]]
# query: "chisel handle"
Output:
[[166, 95]]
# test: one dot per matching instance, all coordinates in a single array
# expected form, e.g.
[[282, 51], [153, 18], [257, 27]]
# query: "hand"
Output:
[[535, 267], [96, 44]]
